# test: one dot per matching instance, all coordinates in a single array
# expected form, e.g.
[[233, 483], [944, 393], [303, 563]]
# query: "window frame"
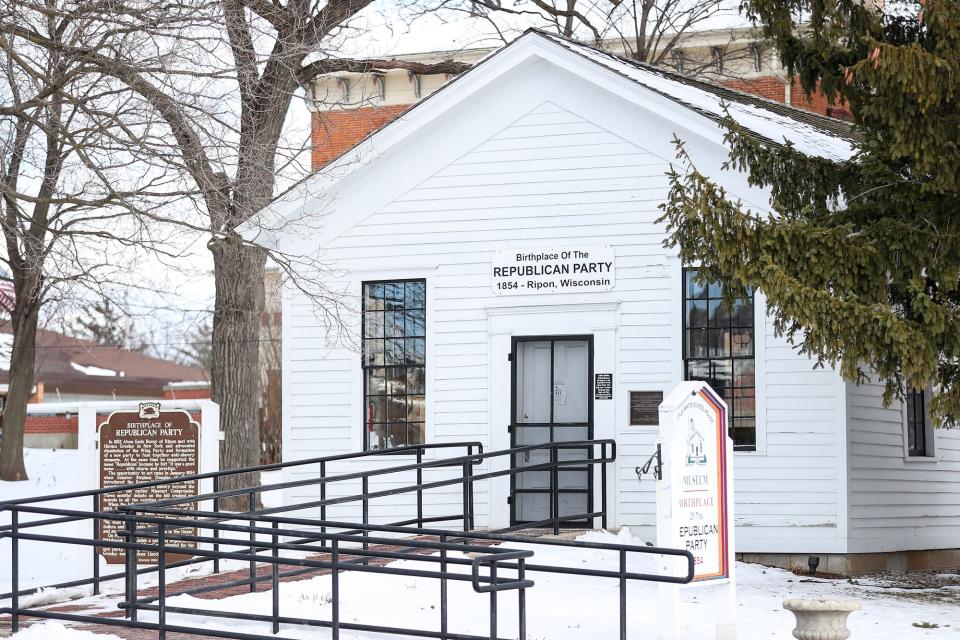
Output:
[[759, 445], [929, 432], [364, 368]]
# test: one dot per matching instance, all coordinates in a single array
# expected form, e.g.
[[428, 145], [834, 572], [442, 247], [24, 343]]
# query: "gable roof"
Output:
[[772, 122]]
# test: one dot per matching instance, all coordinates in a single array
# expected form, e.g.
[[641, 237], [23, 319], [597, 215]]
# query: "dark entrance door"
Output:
[[551, 403]]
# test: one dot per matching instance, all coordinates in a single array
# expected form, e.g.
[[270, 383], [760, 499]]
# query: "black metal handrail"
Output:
[[259, 537], [230, 472]]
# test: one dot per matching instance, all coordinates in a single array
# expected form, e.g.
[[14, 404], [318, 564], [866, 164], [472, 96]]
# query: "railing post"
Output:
[[275, 580], [323, 497], [14, 571], [443, 588], [554, 489], [493, 601], [603, 487], [216, 531], [419, 489], [335, 590], [466, 496], [252, 506], [470, 510], [162, 590], [96, 550], [522, 601], [623, 595], [366, 515], [131, 570]]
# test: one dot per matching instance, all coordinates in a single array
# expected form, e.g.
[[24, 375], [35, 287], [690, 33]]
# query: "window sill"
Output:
[[921, 459]]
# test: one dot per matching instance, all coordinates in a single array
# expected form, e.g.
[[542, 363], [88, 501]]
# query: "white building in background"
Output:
[[500, 241]]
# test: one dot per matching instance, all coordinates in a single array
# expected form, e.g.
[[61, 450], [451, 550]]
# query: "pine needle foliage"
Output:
[[860, 259]]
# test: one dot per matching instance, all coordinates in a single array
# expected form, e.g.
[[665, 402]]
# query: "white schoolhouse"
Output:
[[499, 243]]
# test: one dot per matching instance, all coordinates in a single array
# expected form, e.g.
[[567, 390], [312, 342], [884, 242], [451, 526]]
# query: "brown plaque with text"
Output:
[[645, 408], [142, 446]]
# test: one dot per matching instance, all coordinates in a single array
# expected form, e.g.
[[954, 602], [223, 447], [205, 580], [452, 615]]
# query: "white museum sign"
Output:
[[695, 497], [569, 270]]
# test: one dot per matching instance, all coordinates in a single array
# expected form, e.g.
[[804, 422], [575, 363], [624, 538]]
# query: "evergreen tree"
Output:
[[860, 260]]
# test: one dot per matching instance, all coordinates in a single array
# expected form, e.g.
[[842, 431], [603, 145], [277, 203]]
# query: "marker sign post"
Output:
[[695, 501]]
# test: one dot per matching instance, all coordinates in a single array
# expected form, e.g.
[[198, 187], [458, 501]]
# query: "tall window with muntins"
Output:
[[394, 363], [916, 423], [718, 348]]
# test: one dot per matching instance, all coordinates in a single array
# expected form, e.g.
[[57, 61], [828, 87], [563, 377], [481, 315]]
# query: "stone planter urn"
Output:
[[821, 619]]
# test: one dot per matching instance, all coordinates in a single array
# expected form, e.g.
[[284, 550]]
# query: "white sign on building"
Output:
[[570, 270], [695, 498]]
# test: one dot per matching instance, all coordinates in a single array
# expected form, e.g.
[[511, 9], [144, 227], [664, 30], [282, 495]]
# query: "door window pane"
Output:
[[394, 330], [533, 382], [571, 386]]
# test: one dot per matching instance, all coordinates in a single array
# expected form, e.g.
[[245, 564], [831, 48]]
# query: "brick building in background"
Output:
[[345, 107], [71, 370]]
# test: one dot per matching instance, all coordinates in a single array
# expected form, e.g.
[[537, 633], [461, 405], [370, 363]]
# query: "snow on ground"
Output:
[[559, 607], [577, 608], [44, 563]]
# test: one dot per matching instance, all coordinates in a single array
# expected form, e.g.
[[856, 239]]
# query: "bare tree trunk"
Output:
[[22, 365], [235, 379]]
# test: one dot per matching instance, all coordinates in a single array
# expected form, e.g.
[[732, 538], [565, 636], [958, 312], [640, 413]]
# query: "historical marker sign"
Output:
[[570, 270], [142, 446]]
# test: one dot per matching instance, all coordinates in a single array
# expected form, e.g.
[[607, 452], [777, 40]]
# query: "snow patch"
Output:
[[90, 370]]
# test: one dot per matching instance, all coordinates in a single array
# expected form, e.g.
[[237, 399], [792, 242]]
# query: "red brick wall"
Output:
[[51, 424], [333, 132], [773, 89], [186, 394], [769, 87], [41, 424]]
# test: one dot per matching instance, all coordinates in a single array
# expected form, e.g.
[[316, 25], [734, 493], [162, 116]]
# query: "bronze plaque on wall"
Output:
[[645, 408], [143, 446]]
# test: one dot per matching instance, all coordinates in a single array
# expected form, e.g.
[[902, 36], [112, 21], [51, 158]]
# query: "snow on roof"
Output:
[[810, 133], [90, 370], [773, 122]]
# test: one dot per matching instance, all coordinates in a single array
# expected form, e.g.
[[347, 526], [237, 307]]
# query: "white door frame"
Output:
[[599, 320]]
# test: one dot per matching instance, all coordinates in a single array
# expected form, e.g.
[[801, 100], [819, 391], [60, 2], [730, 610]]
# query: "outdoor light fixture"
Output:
[[813, 562]]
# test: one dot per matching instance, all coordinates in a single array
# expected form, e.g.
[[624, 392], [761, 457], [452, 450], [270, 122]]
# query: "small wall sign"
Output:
[[570, 270], [645, 408], [603, 386]]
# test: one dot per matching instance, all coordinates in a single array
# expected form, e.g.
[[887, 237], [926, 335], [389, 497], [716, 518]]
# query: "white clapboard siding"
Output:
[[552, 179], [897, 503]]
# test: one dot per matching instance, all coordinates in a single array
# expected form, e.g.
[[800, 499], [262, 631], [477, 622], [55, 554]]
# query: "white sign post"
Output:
[[695, 502], [569, 270]]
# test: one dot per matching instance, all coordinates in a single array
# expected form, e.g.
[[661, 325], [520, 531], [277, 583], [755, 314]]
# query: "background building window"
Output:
[[394, 359], [718, 348], [917, 423]]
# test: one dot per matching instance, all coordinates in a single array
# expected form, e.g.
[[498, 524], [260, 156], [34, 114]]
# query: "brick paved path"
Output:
[[95, 609]]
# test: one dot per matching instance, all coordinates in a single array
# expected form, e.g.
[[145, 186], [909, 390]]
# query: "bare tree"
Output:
[[651, 31], [213, 81], [65, 192]]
